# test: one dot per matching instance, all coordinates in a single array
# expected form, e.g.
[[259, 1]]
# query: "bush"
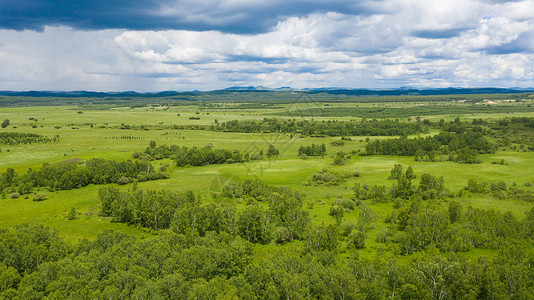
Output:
[[282, 235], [347, 228], [338, 143], [14, 195], [348, 205], [72, 214], [39, 196], [124, 180], [357, 239]]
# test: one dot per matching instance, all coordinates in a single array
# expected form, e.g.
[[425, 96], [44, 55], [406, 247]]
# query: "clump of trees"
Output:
[[430, 187], [312, 150], [16, 138], [279, 217], [67, 175], [36, 263], [499, 190], [460, 147], [195, 156]]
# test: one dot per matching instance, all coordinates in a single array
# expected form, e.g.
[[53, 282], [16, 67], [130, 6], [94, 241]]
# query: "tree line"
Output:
[[16, 138], [68, 175], [365, 127], [193, 156]]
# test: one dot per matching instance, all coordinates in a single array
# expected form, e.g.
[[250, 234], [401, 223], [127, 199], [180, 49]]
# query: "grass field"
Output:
[[87, 133]]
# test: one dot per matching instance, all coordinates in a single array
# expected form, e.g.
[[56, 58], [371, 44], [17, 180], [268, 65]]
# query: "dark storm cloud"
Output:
[[243, 17]]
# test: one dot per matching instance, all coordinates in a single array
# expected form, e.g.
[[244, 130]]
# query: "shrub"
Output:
[[39, 196], [338, 143], [282, 235], [357, 239], [124, 180], [72, 214]]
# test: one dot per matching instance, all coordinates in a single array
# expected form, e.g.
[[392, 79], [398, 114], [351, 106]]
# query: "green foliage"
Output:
[[421, 241], [327, 178], [313, 150], [396, 172], [68, 176], [372, 127], [272, 151], [72, 214], [17, 138], [338, 143], [184, 156], [183, 212], [455, 140]]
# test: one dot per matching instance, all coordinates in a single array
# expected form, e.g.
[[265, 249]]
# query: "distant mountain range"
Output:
[[332, 91]]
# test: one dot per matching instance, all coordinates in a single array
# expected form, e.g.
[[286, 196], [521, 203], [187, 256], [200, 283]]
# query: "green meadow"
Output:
[[88, 133]]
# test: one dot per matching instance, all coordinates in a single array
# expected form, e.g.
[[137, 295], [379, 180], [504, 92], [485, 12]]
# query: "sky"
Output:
[[181, 45]]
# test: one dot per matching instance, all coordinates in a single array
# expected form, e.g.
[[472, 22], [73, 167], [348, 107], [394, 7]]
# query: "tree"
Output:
[[254, 224], [272, 151], [337, 211], [455, 211], [409, 173], [396, 172], [5, 123], [72, 214]]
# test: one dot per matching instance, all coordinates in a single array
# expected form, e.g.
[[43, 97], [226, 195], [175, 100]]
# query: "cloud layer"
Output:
[[185, 45]]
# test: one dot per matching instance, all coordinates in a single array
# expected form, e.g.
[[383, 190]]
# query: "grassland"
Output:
[[86, 133]]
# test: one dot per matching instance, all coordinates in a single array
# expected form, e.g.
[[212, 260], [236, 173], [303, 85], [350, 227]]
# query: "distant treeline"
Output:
[[67, 175], [405, 112], [170, 98], [322, 128], [16, 138]]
